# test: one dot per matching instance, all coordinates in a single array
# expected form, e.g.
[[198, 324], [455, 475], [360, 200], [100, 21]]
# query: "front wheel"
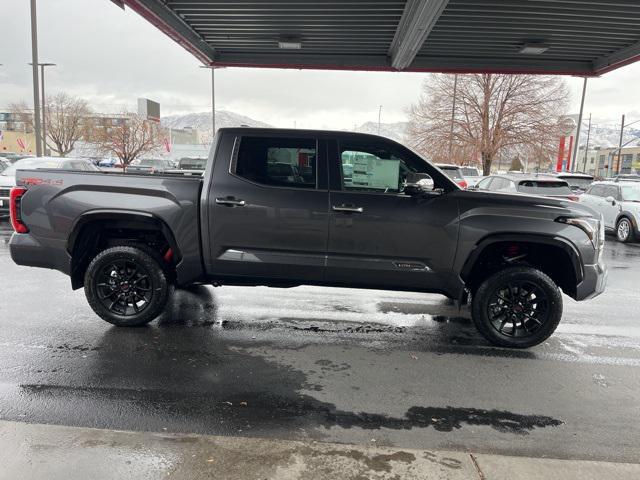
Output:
[[624, 230], [126, 286], [518, 307]]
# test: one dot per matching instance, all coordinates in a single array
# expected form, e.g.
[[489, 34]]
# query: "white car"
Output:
[[619, 204]]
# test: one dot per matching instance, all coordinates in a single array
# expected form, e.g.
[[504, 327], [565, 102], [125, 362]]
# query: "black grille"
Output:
[[4, 192]]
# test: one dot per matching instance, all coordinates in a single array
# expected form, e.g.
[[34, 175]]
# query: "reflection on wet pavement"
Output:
[[404, 369]]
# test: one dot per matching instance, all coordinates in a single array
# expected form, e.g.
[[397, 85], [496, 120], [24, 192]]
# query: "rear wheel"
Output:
[[517, 307], [624, 230], [126, 286]]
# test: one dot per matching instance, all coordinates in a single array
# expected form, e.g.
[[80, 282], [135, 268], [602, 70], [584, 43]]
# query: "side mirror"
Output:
[[418, 183], [610, 200]]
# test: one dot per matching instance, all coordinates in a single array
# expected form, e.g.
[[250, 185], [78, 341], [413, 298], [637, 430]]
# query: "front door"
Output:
[[378, 235], [268, 212]]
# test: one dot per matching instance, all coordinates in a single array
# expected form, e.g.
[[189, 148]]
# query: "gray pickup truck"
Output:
[[290, 207]]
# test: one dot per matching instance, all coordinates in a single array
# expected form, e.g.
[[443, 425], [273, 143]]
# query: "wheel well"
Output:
[[551, 259], [95, 235]]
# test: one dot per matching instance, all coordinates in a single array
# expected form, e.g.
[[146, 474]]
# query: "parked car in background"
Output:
[[578, 182], [619, 204], [110, 163], [545, 185], [454, 172], [471, 175], [631, 177], [192, 163], [8, 175], [3, 165], [150, 165], [14, 157]]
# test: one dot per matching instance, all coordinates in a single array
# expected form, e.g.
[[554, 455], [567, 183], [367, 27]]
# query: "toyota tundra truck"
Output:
[[289, 207]]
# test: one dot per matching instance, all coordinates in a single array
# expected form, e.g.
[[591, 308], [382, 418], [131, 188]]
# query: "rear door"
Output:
[[268, 208], [379, 236]]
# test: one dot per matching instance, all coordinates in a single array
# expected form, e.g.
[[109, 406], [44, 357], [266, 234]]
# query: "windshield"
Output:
[[544, 188], [631, 193], [29, 163], [470, 172]]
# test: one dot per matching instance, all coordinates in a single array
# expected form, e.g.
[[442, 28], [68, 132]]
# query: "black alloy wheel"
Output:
[[127, 285], [517, 307], [124, 287]]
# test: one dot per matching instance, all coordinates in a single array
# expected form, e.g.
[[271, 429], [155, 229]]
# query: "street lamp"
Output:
[[620, 145], [34, 67], [213, 98], [44, 105]]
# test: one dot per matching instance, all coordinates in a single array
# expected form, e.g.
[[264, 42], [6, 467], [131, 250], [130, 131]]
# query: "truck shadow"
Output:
[[172, 378]]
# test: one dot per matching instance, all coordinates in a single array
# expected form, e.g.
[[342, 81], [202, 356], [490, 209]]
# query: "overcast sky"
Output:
[[111, 58]]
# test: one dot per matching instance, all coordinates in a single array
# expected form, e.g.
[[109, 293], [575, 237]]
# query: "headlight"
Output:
[[593, 227]]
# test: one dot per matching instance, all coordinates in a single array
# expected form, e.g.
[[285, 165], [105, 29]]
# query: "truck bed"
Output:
[[58, 201]]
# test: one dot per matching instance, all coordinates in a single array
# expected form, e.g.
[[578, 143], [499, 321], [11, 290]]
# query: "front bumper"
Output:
[[593, 282]]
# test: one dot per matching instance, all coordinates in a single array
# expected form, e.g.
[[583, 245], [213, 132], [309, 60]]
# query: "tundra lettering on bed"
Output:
[[292, 207]]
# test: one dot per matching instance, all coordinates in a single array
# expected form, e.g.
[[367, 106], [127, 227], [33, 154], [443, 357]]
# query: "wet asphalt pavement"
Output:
[[353, 366]]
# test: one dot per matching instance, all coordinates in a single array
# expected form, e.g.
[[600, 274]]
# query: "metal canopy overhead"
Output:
[[577, 37]]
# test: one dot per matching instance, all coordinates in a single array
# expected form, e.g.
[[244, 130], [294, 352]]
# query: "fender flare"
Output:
[[552, 240], [123, 216]]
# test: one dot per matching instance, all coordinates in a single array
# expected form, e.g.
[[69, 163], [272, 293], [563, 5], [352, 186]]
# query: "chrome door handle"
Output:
[[345, 208], [230, 202]]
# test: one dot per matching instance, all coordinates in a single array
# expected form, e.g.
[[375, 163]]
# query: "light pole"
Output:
[[44, 105], [610, 156], [620, 145], [586, 148], [575, 147], [34, 65], [213, 98], [453, 114], [379, 116]]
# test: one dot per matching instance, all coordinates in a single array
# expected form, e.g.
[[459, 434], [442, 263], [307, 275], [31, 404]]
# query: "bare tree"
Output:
[[67, 119], [493, 113], [129, 138]]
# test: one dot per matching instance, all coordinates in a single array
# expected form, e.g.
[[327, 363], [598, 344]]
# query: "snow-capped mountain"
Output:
[[395, 131], [607, 135], [202, 120]]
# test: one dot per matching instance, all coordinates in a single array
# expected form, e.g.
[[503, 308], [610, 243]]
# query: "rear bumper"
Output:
[[26, 250], [594, 281]]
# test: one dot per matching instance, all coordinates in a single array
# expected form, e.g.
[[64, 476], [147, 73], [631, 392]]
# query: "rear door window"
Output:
[[281, 162]]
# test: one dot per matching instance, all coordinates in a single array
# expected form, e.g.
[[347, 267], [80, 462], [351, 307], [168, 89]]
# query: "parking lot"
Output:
[[339, 365]]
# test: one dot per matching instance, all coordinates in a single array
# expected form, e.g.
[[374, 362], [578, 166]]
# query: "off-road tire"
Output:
[[489, 290]]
